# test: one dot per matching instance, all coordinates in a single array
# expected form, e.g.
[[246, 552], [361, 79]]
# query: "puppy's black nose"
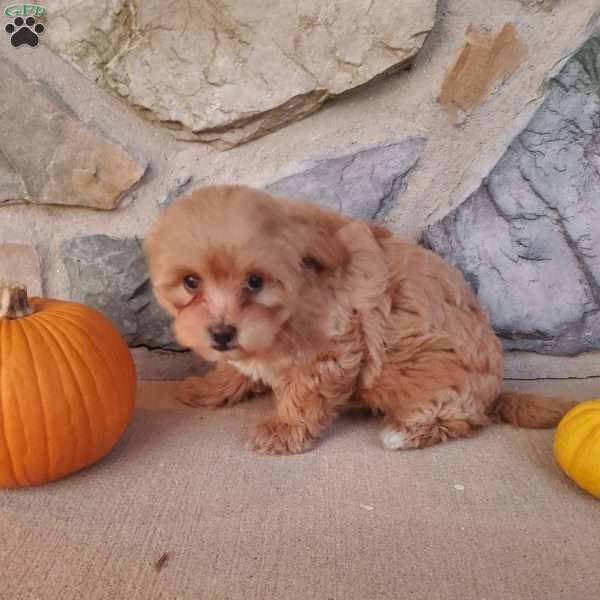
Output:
[[223, 335]]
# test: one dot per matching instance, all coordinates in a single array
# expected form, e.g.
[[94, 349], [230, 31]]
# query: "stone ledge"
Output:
[[165, 365], [530, 365]]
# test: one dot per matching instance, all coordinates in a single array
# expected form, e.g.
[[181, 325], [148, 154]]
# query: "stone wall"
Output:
[[473, 125]]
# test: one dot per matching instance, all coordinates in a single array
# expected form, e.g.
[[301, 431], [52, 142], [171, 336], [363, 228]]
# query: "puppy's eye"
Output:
[[191, 283], [255, 282]]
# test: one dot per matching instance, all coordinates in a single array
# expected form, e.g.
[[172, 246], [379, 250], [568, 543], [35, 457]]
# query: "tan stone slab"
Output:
[[487, 58], [19, 262], [47, 156], [231, 71]]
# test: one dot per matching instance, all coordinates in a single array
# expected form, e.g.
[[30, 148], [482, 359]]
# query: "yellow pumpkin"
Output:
[[67, 387], [577, 445]]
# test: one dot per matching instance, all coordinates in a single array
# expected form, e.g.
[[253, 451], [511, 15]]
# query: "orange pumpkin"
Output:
[[67, 387], [577, 445]]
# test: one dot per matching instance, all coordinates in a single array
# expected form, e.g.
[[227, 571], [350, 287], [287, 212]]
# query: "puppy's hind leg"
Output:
[[450, 414], [421, 432], [223, 385]]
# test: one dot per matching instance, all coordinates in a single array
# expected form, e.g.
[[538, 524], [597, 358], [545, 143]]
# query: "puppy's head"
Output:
[[230, 263]]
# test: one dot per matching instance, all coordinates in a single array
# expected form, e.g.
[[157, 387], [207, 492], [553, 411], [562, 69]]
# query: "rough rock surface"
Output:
[[537, 4], [528, 240], [184, 63], [48, 157], [180, 186], [361, 184], [110, 275], [20, 262]]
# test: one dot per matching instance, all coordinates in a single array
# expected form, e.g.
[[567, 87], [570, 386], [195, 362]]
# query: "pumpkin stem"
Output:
[[13, 300]]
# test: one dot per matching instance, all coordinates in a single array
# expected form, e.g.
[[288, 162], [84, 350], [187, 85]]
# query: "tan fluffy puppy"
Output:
[[328, 313]]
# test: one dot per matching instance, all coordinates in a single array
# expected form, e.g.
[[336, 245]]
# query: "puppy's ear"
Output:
[[316, 230], [166, 292], [322, 250]]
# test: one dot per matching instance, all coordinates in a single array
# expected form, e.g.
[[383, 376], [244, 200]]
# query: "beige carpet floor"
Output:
[[182, 510]]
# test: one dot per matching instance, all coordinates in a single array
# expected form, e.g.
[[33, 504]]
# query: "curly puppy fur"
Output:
[[328, 313]]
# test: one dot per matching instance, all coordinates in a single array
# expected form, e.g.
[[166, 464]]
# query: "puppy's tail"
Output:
[[530, 410]]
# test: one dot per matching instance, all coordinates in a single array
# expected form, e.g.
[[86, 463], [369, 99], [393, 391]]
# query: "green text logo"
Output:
[[25, 10]]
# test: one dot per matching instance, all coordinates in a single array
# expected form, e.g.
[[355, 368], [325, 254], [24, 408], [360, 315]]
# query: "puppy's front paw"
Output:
[[196, 391], [276, 437]]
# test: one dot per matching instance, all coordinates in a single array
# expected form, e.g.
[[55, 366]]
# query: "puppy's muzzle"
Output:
[[223, 337]]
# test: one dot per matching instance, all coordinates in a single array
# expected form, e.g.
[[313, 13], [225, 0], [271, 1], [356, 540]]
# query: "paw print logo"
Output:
[[24, 31]]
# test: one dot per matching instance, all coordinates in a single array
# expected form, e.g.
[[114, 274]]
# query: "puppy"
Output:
[[328, 313]]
